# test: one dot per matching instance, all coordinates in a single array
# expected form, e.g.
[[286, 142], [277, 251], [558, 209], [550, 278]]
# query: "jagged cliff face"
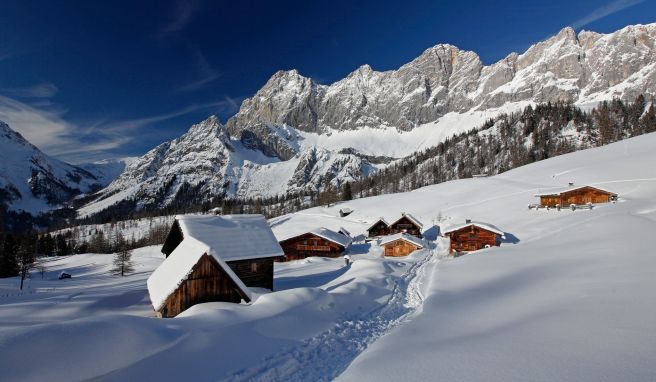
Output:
[[577, 68], [295, 134], [33, 182], [206, 163]]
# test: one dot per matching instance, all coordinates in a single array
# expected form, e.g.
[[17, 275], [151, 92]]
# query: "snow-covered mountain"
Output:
[[34, 182], [107, 170], [295, 134]]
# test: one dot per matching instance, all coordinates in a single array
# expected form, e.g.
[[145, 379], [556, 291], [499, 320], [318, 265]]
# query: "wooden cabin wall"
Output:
[[206, 283], [256, 273], [472, 239], [378, 229], [399, 248], [306, 245], [405, 225], [580, 196]]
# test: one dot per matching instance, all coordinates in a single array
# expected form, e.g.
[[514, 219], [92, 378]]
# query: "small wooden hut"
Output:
[[320, 242], [472, 236], [406, 224], [576, 196], [213, 258], [379, 228], [400, 244]]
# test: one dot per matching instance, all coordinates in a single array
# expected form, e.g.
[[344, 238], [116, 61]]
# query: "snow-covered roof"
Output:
[[333, 236], [486, 226], [563, 190], [411, 218], [402, 236], [235, 237], [344, 231], [225, 238], [377, 221]]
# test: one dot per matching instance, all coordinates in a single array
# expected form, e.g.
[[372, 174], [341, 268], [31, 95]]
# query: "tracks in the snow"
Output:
[[325, 356]]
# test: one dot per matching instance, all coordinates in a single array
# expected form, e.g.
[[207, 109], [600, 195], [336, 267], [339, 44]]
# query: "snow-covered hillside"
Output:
[[296, 135], [567, 296], [34, 182]]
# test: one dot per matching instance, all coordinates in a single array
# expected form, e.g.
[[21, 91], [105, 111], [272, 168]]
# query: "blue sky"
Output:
[[87, 80]]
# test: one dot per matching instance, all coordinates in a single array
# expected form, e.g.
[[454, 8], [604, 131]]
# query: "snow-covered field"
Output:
[[568, 296]]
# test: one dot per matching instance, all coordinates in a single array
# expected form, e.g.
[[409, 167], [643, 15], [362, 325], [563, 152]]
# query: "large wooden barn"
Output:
[[400, 244], [317, 242], [213, 258], [472, 236], [406, 224], [576, 196]]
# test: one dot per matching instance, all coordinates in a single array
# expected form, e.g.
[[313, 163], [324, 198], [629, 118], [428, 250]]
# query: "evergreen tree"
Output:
[[8, 261], [123, 257], [347, 194]]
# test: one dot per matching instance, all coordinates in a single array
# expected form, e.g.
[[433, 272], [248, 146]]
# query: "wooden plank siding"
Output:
[[472, 238], [378, 229], [309, 244], [399, 248], [405, 225], [582, 195], [254, 273], [206, 283]]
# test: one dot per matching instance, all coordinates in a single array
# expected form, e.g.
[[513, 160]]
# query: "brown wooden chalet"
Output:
[[406, 224], [472, 236], [320, 242], [213, 258], [576, 196], [400, 244], [379, 228]]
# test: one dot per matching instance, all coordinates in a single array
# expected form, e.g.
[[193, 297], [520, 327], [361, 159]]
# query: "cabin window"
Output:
[[304, 242], [325, 242], [253, 267], [472, 235]]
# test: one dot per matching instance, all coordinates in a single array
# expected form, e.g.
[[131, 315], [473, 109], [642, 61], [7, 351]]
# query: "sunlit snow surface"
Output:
[[567, 296]]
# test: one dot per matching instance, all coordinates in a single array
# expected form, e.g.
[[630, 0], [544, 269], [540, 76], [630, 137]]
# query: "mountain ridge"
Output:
[[389, 114]]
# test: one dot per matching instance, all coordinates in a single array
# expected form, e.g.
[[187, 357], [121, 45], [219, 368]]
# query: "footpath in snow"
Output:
[[325, 356]]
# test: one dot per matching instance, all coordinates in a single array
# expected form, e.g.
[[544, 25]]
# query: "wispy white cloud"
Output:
[[43, 127], [41, 90], [47, 129], [206, 73], [182, 16], [604, 11]]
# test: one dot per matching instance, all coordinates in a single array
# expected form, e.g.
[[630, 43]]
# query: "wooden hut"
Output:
[[576, 196], [317, 242], [213, 258], [406, 224], [400, 244], [472, 236], [379, 228]]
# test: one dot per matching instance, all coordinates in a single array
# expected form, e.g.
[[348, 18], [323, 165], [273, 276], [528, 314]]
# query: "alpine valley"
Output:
[[296, 136]]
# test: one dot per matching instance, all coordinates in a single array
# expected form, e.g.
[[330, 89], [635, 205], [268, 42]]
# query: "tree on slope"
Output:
[[123, 257], [8, 262], [26, 257]]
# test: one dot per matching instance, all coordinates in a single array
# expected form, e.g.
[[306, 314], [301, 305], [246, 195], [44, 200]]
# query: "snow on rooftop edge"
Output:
[[402, 236], [561, 190], [232, 237], [333, 236], [487, 226]]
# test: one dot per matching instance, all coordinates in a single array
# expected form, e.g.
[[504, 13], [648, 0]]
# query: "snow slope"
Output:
[[34, 182], [567, 296]]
